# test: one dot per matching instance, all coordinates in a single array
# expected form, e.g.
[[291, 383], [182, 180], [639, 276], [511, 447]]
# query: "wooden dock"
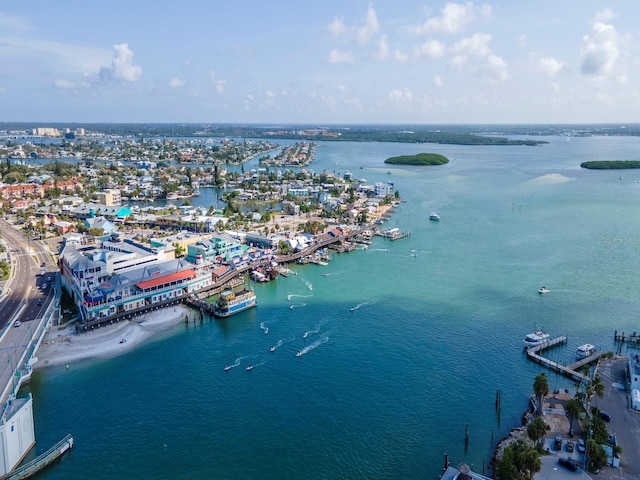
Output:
[[41, 461], [570, 371], [632, 339]]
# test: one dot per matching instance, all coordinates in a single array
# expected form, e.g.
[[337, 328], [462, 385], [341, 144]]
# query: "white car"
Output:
[[17, 323]]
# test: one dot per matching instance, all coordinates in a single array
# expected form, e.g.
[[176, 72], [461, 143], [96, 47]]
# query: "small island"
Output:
[[610, 164], [418, 159]]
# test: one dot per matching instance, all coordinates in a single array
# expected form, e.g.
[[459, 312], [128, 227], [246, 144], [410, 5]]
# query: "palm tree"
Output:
[[573, 410], [537, 429], [541, 389]]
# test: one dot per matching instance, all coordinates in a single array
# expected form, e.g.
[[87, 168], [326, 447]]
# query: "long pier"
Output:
[[41, 461], [568, 371]]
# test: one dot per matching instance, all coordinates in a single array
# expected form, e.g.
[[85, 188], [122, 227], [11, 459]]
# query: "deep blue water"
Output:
[[384, 390]]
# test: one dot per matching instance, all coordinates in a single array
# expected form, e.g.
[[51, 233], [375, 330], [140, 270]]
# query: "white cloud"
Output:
[[400, 56], [337, 27], [599, 50], [437, 81], [362, 32], [454, 18], [3, 90], [403, 95], [64, 84], [343, 89], [551, 67], [248, 101], [605, 15], [337, 56], [369, 27], [176, 83], [218, 83], [270, 94], [382, 53], [496, 68], [458, 62], [476, 45], [431, 49], [122, 66]]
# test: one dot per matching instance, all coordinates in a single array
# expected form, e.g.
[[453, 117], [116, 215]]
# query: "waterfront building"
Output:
[[120, 276], [220, 247], [109, 197], [382, 189]]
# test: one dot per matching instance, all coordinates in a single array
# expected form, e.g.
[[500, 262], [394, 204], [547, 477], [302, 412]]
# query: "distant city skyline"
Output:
[[334, 62]]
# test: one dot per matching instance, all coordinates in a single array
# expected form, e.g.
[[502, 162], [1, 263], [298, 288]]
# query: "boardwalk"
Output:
[[570, 371], [41, 461]]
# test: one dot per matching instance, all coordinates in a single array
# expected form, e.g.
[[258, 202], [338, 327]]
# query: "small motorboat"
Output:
[[249, 368], [434, 216], [273, 348], [543, 290], [324, 274], [306, 334], [299, 353], [227, 368]]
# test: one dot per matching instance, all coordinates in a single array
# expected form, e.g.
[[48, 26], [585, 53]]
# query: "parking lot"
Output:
[[624, 423]]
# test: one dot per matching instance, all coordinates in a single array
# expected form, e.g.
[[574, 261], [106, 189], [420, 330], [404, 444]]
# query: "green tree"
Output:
[[573, 410], [540, 389], [179, 249], [519, 462], [596, 455], [537, 429]]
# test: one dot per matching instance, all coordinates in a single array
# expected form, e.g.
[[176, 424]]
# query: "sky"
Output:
[[322, 62]]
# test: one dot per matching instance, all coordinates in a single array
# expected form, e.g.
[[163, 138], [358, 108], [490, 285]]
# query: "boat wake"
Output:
[[316, 329], [313, 345], [235, 364], [379, 249], [293, 295], [263, 326], [309, 285], [297, 305], [363, 304]]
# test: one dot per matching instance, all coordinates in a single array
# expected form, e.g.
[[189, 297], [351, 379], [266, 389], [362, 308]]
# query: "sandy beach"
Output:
[[63, 346]]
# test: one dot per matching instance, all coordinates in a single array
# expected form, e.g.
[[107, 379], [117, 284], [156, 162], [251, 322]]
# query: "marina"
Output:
[[570, 371]]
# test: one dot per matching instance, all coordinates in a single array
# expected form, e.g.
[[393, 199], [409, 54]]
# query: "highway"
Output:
[[26, 300]]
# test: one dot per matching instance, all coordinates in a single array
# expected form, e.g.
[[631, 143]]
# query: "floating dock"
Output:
[[41, 461], [568, 371]]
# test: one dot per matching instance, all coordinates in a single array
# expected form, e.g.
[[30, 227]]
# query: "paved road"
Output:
[[27, 288]]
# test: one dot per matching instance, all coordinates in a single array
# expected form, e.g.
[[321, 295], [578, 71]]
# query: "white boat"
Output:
[[586, 350], [543, 290], [273, 348], [535, 338], [227, 368], [434, 216], [249, 368], [299, 353]]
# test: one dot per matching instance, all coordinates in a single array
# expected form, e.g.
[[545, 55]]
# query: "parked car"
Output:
[[569, 463], [557, 443], [570, 446], [17, 323], [581, 446], [605, 416]]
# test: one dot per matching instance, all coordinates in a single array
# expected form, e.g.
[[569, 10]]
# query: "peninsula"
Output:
[[418, 159]]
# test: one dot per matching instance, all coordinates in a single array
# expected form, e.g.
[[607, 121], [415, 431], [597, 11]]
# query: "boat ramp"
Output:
[[570, 371]]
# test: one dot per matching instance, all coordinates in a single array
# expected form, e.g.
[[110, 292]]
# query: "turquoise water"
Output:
[[386, 389]]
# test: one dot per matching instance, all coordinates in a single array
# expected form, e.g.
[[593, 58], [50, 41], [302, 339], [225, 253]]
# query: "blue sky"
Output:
[[347, 61]]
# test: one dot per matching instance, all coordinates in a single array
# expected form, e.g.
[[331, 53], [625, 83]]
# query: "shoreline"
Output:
[[64, 346]]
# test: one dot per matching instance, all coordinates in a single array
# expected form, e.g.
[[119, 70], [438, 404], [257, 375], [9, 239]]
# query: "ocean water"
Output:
[[401, 353]]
